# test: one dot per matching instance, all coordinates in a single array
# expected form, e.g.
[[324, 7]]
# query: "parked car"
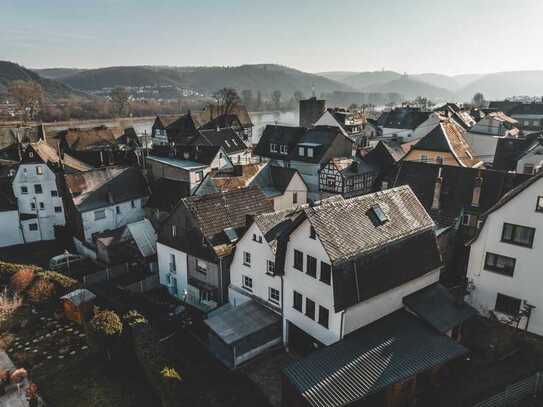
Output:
[[64, 261]]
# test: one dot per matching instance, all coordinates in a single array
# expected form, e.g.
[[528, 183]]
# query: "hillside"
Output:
[[10, 71], [264, 78], [505, 84], [362, 80], [410, 89], [57, 73], [438, 80]]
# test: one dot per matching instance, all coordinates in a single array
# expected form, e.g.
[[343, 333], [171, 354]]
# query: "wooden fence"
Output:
[[516, 392]]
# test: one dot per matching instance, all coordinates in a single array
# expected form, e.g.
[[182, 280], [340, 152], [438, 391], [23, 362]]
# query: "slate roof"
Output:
[[200, 154], [105, 186], [403, 118], [273, 180], [166, 193], [436, 306], [165, 120], [280, 135], [212, 111], [456, 188], [369, 360], [346, 231], [233, 324], [221, 122], [448, 137], [321, 137], [181, 129], [79, 296], [216, 212], [226, 138]]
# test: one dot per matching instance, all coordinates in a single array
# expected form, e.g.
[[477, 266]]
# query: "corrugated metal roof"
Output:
[[145, 237], [388, 351]]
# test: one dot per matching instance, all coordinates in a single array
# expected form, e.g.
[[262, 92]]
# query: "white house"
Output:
[[103, 199], [38, 199], [531, 161], [402, 122], [10, 233], [504, 269], [340, 264]]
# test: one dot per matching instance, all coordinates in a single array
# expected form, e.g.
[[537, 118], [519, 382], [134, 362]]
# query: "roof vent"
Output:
[[377, 215]]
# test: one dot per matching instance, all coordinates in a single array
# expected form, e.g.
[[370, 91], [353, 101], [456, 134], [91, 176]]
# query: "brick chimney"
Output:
[[437, 191]]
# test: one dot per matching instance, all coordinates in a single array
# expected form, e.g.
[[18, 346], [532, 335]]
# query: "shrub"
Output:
[[106, 323], [21, 280], [8, 269], [134, 318], [59, 279], [8, 304], [41, 291]]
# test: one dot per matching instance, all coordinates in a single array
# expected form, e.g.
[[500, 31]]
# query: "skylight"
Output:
[[379, 215], [231, 234]]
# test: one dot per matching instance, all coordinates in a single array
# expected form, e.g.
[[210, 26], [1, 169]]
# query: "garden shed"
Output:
[[78, 305]]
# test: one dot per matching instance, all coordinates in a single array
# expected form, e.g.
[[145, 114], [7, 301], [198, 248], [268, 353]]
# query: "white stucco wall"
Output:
[[10, 232], [181, 274], [27, 176], [377, 307], [260, 254], [113, 220], [285, 201], [527, 279]]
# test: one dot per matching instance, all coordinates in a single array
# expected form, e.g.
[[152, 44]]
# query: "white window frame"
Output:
[[310, 152], [283, 149], [247, 283], [99, 214], [39, 170], [272, 293], [270, 267], [247, 259], [273, 147]]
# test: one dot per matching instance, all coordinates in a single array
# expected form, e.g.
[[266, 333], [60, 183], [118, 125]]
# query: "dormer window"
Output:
[[273, 147], [377, 215], [283, 149], [301, 151], [39, 170], [310, 152]]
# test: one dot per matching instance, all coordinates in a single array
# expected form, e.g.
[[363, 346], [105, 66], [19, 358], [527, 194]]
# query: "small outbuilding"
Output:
[[78, 305]]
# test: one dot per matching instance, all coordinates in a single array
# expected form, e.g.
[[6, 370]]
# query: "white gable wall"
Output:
[[260, 253], [527, 279], [10, 233], [285, 201]]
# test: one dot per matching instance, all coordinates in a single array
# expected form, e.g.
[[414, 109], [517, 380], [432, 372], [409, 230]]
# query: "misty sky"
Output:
[[414, 36]]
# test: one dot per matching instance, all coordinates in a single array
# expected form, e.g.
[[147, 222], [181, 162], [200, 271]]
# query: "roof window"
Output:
[[377, 215]]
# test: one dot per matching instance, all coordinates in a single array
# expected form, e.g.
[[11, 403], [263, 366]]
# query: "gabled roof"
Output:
[[349, 167], [449, 137], [49, 154], [456, 187], [273, 180], [212, 111], [346, 229], [388, 351], [403, 118], [84, 139], [222, 121], [165, 120], [502, 117], [274, 224], [193, 155], [215, 181], [105, 186], [279, 135], [216, 212], [226, 138]]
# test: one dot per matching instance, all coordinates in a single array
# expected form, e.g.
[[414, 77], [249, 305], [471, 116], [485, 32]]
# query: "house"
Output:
[[159, 129], [285, 186], [459, 115], [503, 271], [11, 138], [226, 138], [36, 188], [385, 363], [183, 128], [444, 144], [352, 123], [528, 115], [401, 122], [305, 150], [455, 197], [103, 199], [347, 176], [165, 194], [187, 165], [95, 146], [220, 181], [196, 241], [211, 112], [483, 136], [531, 160], [226, 121], [519, 154]]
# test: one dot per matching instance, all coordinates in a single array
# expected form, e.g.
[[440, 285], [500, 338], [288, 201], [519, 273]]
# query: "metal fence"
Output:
[[516, 392]]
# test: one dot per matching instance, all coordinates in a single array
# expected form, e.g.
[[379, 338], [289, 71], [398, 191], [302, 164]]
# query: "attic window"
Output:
[[273, 147], [234, 141], [377, 215], [231, 234]]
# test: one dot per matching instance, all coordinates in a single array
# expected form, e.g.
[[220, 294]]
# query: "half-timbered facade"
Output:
[[347, 177]]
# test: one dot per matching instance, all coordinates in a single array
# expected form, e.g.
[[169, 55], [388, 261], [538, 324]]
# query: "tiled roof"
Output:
[[226, 138], [402, 118], [227, 182], [435, 305], [200, 154], [82, 139], [221, 122], [49, 154], [165, 120], [273, 224], [106, 186], [216, 212], [346, 230], [369, 360]]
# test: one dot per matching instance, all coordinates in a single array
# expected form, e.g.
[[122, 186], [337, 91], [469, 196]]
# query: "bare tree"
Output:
[[478, 99], [28, 96], [119, 102], [276, 99], [298, 95], [227, 99]]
